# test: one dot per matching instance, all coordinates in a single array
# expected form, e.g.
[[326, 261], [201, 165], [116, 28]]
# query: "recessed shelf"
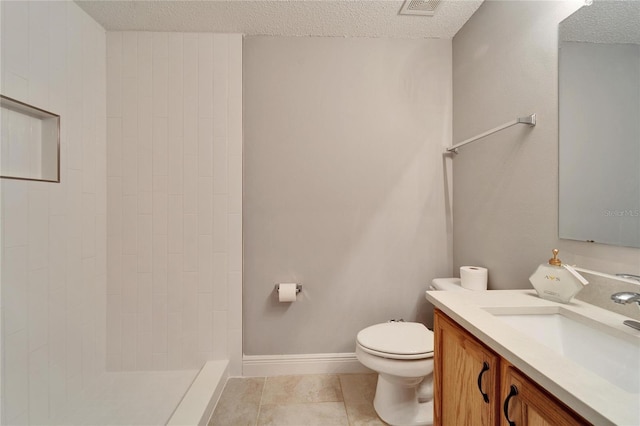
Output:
[[29, 142]]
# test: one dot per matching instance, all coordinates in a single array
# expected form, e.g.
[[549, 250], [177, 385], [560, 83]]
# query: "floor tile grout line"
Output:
[[264, 385], [344, 400]]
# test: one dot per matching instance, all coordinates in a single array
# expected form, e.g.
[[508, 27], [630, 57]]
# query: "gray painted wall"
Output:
[[345, 186], [506, 186]]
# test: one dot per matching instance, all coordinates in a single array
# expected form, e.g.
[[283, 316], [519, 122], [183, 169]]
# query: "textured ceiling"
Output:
[[604, 22], [337, 18]]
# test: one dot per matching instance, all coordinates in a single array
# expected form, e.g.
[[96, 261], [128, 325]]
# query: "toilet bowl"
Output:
[[402, 355]]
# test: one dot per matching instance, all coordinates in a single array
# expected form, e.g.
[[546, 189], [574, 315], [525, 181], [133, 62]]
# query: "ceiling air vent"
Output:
[[419, 7]]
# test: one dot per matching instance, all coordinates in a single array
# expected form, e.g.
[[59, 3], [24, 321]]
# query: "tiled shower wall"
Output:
[[53, 249], [174, 131]]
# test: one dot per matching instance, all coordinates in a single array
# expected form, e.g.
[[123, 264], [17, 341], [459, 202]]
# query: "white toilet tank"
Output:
[[447, 284]]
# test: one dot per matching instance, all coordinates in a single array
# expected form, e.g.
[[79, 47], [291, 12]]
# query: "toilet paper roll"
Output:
[[287, 292], [473, 277]]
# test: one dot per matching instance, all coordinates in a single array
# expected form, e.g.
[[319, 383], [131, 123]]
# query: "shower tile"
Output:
[[205, 147], [220, 280], [160, 74], [174, 282], [175, 166], [145, 242], [38, 301], [190, 301], [16, 375], [190, 242], [130, 56], [88, 159], [239, 402], [220, 166], [16, 53], [145, 144], [88, 225], [145, 63], [129, 224], [174, 340], [145, 304], [174, 223], [234, 342], [57, 257], [235, 242], [160, 144], [190, 182], [144, 351], [220, 223], [321, 414], [114, 206], [14, 290], [114, 267], [205, 205], [159, 326], [235, 184], [160, 264], [205, 74], [114, 333], [235, 300], [205, 264], [129, 163], [145, 202], [129, 283], [302, 389], [129, 335], [114, 74], [205, 322], [220, 331], [38, 218]]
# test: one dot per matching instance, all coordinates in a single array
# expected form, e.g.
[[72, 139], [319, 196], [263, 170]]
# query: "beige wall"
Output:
[[506, 186], [53, 251], [345, 186], [174, 127]]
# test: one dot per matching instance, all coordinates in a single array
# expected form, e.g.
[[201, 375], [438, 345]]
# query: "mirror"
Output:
[[599, 124]]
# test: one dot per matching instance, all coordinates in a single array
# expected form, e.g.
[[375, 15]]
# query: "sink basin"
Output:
[[601, 349]]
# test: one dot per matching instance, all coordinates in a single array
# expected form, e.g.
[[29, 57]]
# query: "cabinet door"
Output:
[[465, 377], [524, 403]]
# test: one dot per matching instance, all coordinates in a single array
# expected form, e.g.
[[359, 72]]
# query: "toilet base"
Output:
[[396, 402]]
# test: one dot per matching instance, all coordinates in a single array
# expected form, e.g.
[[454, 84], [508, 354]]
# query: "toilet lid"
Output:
[[397, 338]]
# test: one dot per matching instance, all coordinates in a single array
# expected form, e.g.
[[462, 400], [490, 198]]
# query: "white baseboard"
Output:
[[198, 403], [280, 365]]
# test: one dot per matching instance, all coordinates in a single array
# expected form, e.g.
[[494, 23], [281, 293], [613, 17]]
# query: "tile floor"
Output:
[[331, 399]]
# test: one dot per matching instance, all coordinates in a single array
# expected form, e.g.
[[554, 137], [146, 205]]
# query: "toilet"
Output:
[[402, 355]]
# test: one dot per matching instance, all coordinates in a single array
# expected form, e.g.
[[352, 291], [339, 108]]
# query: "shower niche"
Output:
[[29, 142]]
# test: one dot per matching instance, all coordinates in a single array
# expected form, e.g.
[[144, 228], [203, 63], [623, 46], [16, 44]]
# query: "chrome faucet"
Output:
[[629, 276], [625, 297]]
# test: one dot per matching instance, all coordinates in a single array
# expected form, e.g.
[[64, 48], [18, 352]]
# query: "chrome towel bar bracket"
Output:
[[529, 120]]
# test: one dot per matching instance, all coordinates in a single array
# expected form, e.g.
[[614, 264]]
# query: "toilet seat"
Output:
[[397, 340]]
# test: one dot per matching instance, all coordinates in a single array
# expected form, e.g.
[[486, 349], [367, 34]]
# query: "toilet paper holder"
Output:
[[298, 288]]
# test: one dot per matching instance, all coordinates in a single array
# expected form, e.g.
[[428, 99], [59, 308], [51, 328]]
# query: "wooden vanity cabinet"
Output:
[[531, 405], [468, 394], [472, 385]]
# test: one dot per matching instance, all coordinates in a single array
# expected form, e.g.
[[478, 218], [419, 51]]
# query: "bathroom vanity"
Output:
[[511, 358], [473, 383]]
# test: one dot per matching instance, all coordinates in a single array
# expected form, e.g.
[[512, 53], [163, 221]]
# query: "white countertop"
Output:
[[591, 396]]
